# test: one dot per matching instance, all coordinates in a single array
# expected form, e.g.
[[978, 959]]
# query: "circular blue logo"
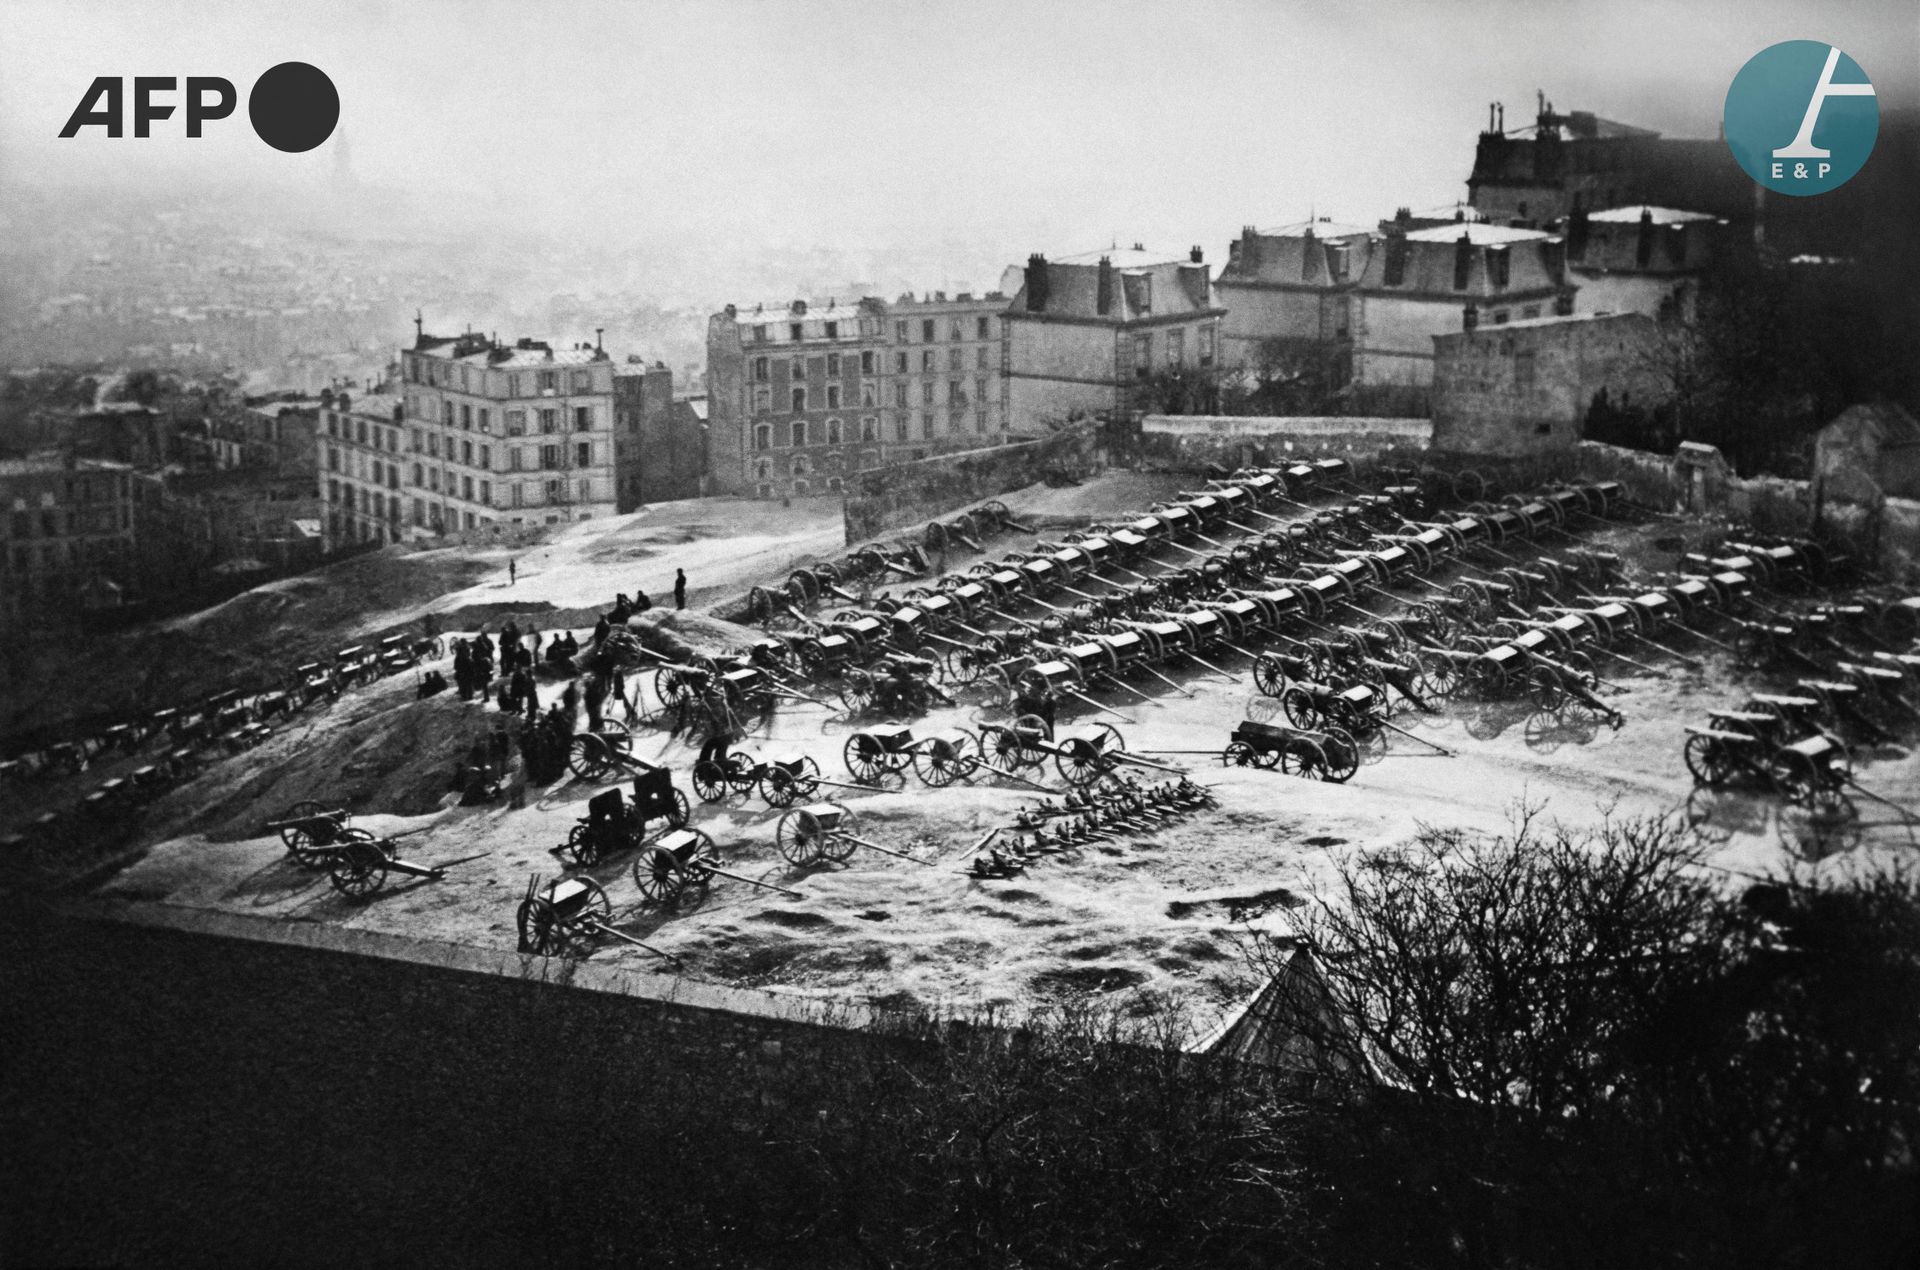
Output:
[[1801, 117]]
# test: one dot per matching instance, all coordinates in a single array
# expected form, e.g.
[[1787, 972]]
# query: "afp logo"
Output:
[[293, 106], [1801, 117]]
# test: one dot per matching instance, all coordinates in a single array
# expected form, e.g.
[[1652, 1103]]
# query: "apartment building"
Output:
[[800, 395], [518, 433], [68, 535]]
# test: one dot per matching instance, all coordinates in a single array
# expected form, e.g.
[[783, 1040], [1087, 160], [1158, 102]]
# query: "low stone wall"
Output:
[[1888, 535], [1196, 442]]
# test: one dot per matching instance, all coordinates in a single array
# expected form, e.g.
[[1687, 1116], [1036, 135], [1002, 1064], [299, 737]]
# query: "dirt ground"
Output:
[[1169, 910]]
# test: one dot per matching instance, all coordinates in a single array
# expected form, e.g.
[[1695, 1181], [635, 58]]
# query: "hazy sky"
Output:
[[1049, 125]]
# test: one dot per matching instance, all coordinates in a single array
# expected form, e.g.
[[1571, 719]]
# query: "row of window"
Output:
[[903, 329], [53, 523], [836, 366], [532, 383], [1175, 345], [799, 433], [513, 494], [467, 417], [798, 399]]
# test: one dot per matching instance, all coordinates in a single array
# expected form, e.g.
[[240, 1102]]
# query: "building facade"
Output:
[[1436, 281], [499, 433], [1288, 293], [1640, 259], [1526, 387], [68, 534], [366, 476], [801, 395], [1084, 330]]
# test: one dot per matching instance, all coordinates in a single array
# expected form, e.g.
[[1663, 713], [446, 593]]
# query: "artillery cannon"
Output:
[[557, 919], [682, 860], [357, 863], [824, 832], [613, 824]]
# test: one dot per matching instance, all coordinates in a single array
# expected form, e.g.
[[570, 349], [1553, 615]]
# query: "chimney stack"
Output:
[[1103, 299], [1195, 255], [598, 331], [1470, 317], [1643, 246], [1037, 283], [1462, 260]]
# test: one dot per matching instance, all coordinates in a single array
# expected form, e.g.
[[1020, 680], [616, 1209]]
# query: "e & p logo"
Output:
[[1801, 117], [293, 106]]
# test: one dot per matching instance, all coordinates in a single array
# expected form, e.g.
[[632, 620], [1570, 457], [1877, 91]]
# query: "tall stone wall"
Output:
[[1195, 442], [909, 493]]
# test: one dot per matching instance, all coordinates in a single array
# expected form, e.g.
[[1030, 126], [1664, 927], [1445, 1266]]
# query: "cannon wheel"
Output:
[[300, 844], [1544, 689], [359, 867], [1708, 761], [782, 788], [1299, 706], [800, 838], [1793, 777], [856, 693], [962, 665], [1240, 754], [1080, 763], [587, 756], [679, 811], [1301, 756], [1269, 676], [935, 536], [866, 758], [580, 846], [941, 760], [1340, 756], [710, 781]]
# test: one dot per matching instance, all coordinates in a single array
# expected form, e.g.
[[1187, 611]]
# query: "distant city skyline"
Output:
[[1055, 127]]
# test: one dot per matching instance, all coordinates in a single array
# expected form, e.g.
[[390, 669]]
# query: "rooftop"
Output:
[[1660, 215], [374, 405], [834, 309], [1134, 257], [1321, 227], [1487, 328], [1480, 235]]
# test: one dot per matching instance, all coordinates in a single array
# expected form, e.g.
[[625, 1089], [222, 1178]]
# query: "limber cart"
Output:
[[613, 824], [937, 760], [782, 780], [1082, 755], [1327, 753]]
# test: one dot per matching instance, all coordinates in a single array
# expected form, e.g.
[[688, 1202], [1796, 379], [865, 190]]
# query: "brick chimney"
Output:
[[1103, 298], [1195, 255], [1038, 283], [1462, 260], [1643, 245]]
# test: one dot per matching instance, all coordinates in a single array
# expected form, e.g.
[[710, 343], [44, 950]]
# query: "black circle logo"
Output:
[[294, 107]]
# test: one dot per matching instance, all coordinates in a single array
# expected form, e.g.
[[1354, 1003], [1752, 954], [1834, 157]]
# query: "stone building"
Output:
[[795, 396], [659, 446], [1526, 387], [67, 539], [1640, 259], [1288, 293], [802, 395], [368, 471], [516, 433], [946, 363], [1083, 330], [1431, 282]]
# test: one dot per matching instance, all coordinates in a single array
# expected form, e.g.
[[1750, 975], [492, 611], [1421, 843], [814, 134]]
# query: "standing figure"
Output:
[[463, 669], [679, 588]]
